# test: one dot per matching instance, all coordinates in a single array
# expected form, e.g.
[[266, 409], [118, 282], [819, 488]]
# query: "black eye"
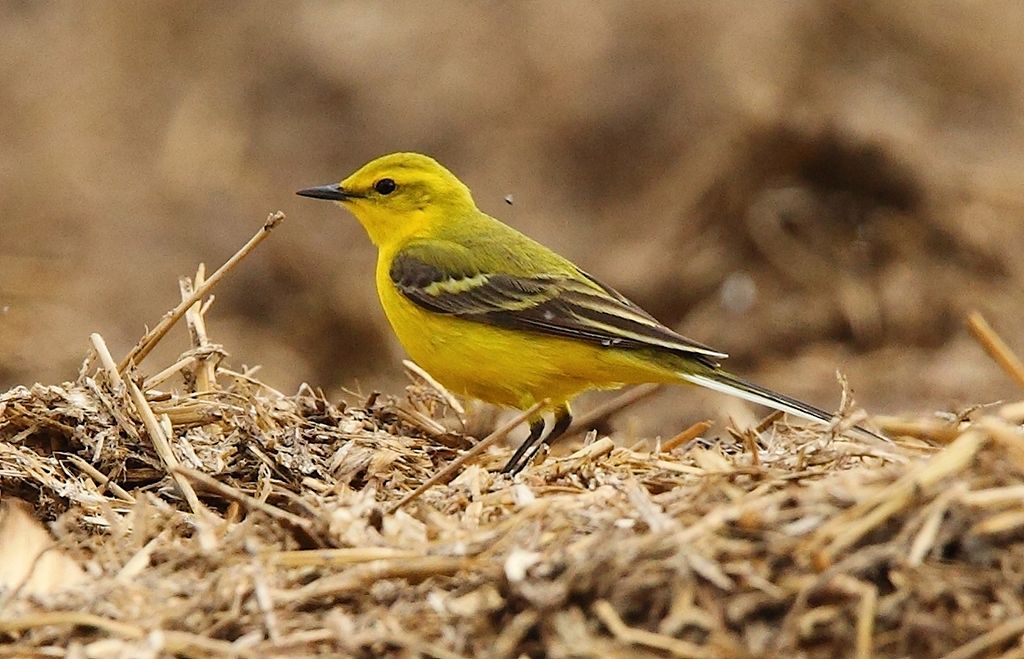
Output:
[[385, 186]]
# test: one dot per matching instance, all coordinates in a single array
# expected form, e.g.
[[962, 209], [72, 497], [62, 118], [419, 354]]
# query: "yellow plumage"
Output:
[[503, 366], [495, 315]]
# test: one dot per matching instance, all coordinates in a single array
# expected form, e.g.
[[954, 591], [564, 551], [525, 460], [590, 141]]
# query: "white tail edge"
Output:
[[754, 396]]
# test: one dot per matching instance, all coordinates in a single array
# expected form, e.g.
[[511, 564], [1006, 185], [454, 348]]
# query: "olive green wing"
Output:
[[445, 278]]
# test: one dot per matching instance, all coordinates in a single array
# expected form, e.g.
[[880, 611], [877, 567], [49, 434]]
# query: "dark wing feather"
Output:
[[557, 305]]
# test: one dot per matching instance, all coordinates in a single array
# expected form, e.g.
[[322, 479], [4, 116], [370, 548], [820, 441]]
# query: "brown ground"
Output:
[[215, 517]]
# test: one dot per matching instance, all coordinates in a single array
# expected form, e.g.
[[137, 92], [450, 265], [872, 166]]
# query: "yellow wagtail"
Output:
[[497, 316]]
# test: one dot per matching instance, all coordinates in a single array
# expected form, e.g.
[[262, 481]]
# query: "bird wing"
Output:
[[443, 277]]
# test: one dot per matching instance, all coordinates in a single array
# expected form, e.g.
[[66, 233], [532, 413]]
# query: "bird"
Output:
[[494, 315]]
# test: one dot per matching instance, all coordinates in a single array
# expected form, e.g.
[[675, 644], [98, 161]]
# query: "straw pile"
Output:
[[196, 511]]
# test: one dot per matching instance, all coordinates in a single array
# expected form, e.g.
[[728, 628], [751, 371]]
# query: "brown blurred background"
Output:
[[809, 186]]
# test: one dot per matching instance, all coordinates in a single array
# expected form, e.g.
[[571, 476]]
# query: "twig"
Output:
[[421, 421], [446, 474], [360, 577], [106, 360], [78, 618], [633, 636], [149, 341], [245, 377], [100, 478], [691, 433], [993, 496], [206, 372], [155, 381], [266, 603], [420, 647], [140, 560], [512, 634], [332, 558], [1008, 521], [1013, 412], [866, 612], [749, 442], [452, 401], [924, 540], [588, 453], [156, 433], [1000, 634], [163, 446], [598, 449], [294, 642], [996, 347], [767, 422], [250, 502], [174, 642], [940, 432]]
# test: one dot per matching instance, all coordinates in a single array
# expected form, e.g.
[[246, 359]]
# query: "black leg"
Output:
[[563, 419], [536, 429], [525, 454]]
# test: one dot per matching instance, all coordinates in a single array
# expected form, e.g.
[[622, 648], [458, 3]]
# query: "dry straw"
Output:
[[214, 516]]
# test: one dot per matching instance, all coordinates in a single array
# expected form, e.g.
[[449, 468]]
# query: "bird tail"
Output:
[[728, 383]]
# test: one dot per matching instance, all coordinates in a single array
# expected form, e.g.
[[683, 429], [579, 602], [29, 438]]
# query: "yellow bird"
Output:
[[497, 316]]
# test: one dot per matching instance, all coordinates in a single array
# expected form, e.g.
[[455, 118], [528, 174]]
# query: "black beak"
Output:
[[331, 192]]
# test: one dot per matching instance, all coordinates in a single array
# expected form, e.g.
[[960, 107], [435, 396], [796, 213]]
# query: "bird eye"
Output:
[[385, 186]]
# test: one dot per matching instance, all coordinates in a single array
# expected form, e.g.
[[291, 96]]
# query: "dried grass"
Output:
[[219, 517]]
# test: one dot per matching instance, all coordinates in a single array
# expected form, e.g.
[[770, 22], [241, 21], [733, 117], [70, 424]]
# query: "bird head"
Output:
[[398, 196]]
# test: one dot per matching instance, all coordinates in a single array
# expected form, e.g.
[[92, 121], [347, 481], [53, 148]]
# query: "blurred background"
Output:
[[807, 185]]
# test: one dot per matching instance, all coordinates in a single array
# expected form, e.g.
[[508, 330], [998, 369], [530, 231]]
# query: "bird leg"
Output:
[[528, 450], [536, 429], [563, 419]]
